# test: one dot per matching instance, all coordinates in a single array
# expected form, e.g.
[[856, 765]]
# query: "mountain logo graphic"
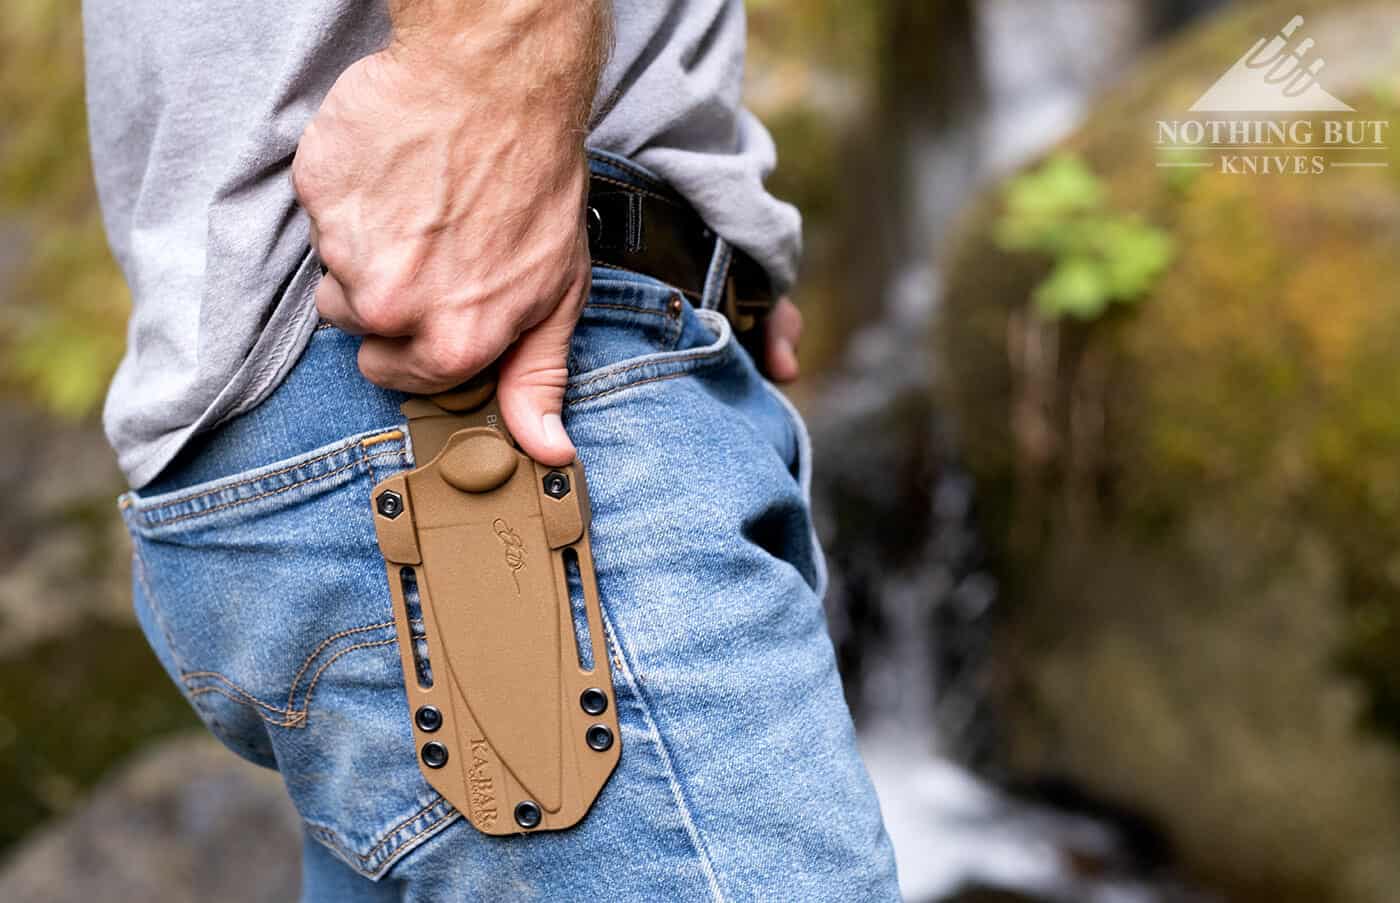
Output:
[[1271, 77]]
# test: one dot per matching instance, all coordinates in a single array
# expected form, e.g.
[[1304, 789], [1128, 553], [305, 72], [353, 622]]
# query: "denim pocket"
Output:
[[635, 330], [265, 597]]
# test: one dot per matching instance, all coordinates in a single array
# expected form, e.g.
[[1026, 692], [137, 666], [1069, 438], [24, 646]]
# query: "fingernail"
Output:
[[553, 428]]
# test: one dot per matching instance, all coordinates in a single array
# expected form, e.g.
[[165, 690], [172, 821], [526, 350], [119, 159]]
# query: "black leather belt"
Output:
[[654, 232]]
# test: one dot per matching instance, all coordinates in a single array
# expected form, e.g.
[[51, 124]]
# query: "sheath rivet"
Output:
[[527, 814], [428, 718], [556, 484], [390, 504], [593, 701], [434, 754], [599, 737]]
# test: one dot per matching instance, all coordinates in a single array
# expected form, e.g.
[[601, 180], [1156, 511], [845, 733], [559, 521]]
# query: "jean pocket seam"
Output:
[[292, 715], [666, 364], [156, 512], [438, 813]]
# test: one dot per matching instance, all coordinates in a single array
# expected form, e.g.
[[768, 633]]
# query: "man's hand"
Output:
[[783, 332], [445, 179]]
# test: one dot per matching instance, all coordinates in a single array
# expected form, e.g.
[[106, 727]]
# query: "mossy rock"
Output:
[[1195, 499]]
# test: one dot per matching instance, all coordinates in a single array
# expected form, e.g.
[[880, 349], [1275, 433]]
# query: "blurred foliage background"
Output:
[[1175, 395], [60, 348]]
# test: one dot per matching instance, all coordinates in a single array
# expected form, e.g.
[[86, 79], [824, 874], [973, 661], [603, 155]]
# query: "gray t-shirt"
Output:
[[195, 111]]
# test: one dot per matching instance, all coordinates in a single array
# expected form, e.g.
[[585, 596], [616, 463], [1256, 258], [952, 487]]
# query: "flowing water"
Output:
[[911, 598]]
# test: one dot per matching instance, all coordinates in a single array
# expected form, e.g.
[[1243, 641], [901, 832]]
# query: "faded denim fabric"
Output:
[[259, 584]]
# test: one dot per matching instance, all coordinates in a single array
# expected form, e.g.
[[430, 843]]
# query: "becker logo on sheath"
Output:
[[1278, 75], [515, 549]]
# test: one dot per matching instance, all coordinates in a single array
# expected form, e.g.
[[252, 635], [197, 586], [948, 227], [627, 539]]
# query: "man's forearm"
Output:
[[544, 54]]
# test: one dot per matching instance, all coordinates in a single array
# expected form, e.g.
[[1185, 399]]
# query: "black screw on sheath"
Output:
[[527, 814], [389, 504], [556, 484]]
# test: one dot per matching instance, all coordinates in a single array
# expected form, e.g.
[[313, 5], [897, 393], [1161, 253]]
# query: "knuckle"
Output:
[[332, 249], [460, 362], [380, 315], [454, 361]]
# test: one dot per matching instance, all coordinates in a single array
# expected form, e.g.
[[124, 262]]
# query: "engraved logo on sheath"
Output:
[[515, 549], [481, 791]]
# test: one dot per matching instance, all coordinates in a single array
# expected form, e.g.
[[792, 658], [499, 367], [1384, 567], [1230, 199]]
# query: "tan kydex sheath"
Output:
[[510, 727]]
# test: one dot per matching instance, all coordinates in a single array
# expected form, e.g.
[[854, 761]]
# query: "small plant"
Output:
[[1100, 256]]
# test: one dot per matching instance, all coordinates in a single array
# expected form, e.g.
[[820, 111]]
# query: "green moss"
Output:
[[1196, 502]]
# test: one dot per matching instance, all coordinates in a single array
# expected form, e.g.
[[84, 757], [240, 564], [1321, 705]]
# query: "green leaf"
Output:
[[1135, 255], [1077, 287]]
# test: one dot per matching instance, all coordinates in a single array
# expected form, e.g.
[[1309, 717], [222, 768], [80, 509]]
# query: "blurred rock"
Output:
[[63, 550], [187, 820], [1195, 503]]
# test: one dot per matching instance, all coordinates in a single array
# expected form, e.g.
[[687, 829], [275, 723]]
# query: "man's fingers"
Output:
[[431, 362], [784, 332], [333, 307], [533, 377]]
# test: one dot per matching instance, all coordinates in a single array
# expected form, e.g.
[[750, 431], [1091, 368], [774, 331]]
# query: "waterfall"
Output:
[[910, 597]]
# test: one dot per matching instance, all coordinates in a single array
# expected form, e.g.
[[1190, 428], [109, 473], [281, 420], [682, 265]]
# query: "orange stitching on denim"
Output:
[[270, 492], [244, 699], [388, 836], [232, 685], [438, 800], [660, 362], [291, 694], [198, 495], [288, 714], [311, 687], [261, 495], [291, 718], [333, 836], [253, 479]]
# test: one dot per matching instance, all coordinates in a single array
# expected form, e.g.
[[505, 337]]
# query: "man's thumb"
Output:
[[533, 376]]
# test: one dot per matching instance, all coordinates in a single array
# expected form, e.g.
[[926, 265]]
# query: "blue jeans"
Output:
[[260, 586]]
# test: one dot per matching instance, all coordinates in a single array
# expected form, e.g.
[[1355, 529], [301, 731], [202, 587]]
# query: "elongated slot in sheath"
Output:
[[413, 606], [583, 637]]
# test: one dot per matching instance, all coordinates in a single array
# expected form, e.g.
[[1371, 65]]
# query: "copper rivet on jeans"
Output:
[[674, 308]]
